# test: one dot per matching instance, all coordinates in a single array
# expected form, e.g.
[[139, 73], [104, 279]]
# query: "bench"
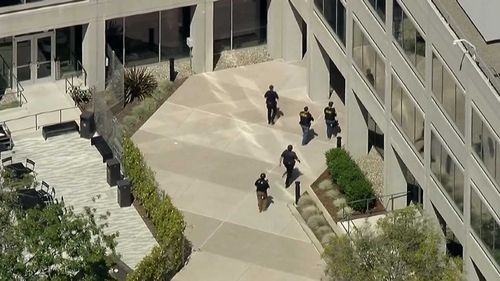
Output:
[[59, 129], [102, 146]]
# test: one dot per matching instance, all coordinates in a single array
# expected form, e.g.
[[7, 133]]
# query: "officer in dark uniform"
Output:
[[288, 157], [305, 122], [262, 185], [330, 115], [272, 104]]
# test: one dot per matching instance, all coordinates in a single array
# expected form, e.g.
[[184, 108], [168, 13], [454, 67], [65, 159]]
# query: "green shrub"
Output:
[[138, 83], [167, 258], [351, 180]]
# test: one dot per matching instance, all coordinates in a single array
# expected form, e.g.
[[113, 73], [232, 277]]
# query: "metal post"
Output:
[[297, 192], [60, 115], [172, 69], [36, 121], [339, 141]]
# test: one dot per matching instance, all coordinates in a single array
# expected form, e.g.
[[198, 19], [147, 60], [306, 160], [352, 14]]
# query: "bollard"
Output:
[[297, 192], [172, 69], [339, 141]]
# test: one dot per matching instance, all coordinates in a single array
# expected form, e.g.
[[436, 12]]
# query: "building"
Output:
[[410, 85]]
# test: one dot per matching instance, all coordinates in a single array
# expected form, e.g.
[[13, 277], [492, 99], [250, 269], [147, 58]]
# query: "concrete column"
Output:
[[275, 28], [292, 34], [94, 53], [318, 72], [201, 31], [395, 181], [357, 127]]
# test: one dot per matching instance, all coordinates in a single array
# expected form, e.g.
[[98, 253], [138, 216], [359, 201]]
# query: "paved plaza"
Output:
[[208, 144], [75, 170]]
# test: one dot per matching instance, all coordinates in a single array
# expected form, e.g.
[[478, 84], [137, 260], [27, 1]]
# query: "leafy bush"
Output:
[[167, 258], [139, 83], [316, 221], [351, 180], [309, 211], [326, 184]]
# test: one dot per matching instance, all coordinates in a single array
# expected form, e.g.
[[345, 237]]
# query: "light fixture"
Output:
[[473, 54]]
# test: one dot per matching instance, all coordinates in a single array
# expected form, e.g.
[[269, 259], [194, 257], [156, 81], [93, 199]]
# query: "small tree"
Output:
[[52, 243], [404, 246]]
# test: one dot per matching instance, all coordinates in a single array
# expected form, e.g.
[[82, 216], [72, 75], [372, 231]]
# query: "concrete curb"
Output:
[[306, 228]]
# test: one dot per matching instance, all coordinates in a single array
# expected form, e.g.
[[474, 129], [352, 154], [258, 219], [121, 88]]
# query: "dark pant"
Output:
[[261, 200], [330, 128], [289, 172], [272, 110], [305, 134]]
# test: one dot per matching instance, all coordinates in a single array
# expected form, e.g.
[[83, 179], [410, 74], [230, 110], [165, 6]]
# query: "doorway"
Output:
[[34, 57]]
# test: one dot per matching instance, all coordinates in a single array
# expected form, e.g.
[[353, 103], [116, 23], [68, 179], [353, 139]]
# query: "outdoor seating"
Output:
[[31, 163], [5, 160], [18, 169], [102, 146], [59, 129]]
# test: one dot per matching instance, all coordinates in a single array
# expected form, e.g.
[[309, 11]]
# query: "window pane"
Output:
[[396, 101], [497, 175], [175, 25], [475, 212], [381, 9], [142, 39], [249, 22], [459, 189], [419, 132], [369, 56], [449, 94], [397, 21], [460, 110], [331, 14], [477, 133], [489, 150], [357, 46], [380, 78], [420, 54], [436, 157], [222, 26], [487, 227], [341, 21], [5, 69], [409, 39], [408, 116], [437, 78], [319, 5], [114, 36], [447, 172]]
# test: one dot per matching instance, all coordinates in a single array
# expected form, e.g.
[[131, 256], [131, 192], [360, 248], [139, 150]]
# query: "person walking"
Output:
[[330, 115], [262, 185], [272, 104], [288, 157], [305, 122]]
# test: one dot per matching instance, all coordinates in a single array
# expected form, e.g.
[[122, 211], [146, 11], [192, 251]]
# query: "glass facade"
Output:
[[379, 6], [239, 24], [150, 38], [5, 63], [409, 38], [369, 61], [486, 146], [448, 173], [408, 116], [5, 3], [485, 225], [69, 49], [448, 93], [333, 13]]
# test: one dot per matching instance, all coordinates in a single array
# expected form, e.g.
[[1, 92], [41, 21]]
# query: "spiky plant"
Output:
[[139, 83]]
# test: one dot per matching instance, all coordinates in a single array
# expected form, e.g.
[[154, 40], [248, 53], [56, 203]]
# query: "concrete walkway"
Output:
[[208, 143]]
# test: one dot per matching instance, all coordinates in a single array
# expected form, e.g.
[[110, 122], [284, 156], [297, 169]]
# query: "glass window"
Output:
[[447, 172], [5, 63], [114, 36], [419, 131], [477, 134], [409, 38], [460, 110], [489, 150], [449, 94], [249, 23], [379, 6], [396, 101], [369, 61], [437, 78], [69, 48], [175, 25], [142, 39], [408, 116], [333, 12], [475, 212], [222, 25]]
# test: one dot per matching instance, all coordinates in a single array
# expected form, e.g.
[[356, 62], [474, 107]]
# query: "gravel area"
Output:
[[372, 166], [244, 56], [162, 70]]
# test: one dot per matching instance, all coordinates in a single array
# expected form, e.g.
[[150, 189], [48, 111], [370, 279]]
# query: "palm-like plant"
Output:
[[139, 83]]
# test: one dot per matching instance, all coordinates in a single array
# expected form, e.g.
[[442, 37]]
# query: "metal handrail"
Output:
[[36, 115], [12, 77], [493, 77]]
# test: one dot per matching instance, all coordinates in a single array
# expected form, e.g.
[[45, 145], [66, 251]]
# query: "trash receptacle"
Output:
[[87, 124], [124, 193], [113, 171]]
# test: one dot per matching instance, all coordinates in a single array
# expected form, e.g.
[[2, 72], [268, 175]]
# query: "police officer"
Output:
[[305, 122], [272, 104], [330, 115], [288, 157], [262, 185]]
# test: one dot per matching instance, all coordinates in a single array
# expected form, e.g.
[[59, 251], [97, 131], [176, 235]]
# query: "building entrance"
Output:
[[34, 57]]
